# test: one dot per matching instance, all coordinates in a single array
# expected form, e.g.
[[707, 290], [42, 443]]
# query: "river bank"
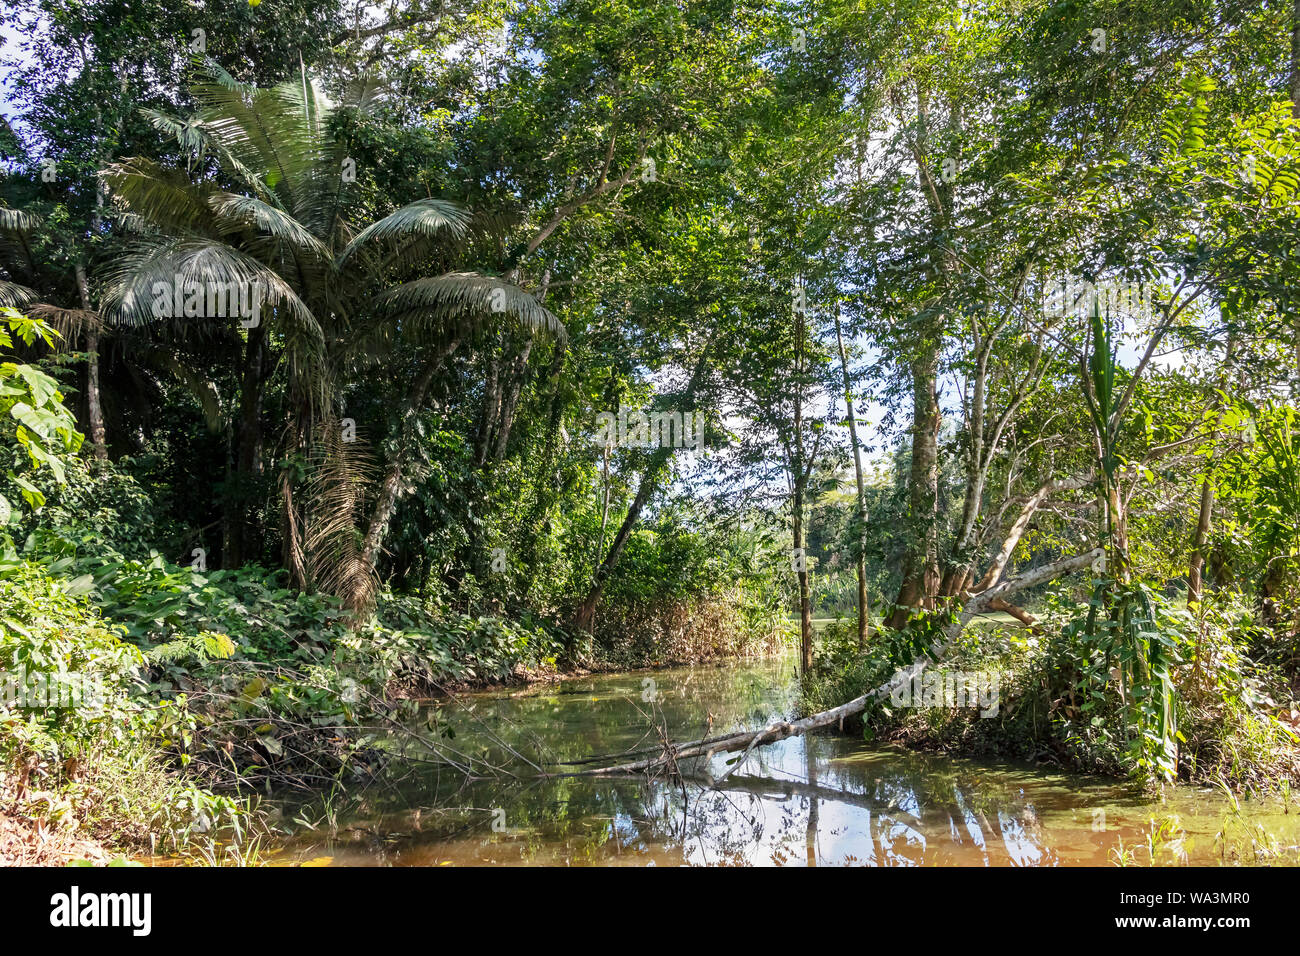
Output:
[[821, 800]]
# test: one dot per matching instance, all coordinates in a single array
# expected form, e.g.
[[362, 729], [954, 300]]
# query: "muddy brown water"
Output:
[[818, 801]]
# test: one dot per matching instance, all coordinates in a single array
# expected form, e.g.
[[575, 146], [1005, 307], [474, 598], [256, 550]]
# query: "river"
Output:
[[817, 801]]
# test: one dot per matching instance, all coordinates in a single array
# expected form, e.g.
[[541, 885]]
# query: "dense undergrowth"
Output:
[[1061, 697], [148, 700]]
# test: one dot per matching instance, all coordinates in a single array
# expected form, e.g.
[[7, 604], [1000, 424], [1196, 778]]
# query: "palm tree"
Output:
[[337, 293]]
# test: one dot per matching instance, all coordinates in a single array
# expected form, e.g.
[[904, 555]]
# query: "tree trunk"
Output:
[[800, 469], [584, 616], [1117, 526], [294, 558], [94, 408], [805, 600], [1021, 524], [491, 404], [1199, 553], [248, 460], [390, 489], [543, 485], [861, 513], [1294, 72], [920, 569], [604, 508], [98, 434], [510, 400], [1019, 613]]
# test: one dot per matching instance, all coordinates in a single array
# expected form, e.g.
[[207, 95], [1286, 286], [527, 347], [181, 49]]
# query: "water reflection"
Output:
[[825, 800]]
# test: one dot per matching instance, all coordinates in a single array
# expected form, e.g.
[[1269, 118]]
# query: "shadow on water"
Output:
[[824, 800]]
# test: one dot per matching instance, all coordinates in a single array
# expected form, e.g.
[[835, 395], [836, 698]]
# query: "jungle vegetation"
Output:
[[982, 315]]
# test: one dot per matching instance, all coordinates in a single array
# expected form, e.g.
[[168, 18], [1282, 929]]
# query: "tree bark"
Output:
[[984, 600], [491, 405], [921, 567], [543, 485], [390, 489], [604, 508], [584, 618], [510, 400], [921, 582], [94, 407], [248, 460], [1294, 72], [1019, 613], [805, 597], [294, 558], [861, 511], [1199, 553], [1021, 524]]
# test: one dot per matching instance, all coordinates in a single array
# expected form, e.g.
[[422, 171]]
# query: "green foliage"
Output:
[[32, 415], [777, 169], [1065, 698], [1134, 639], [50, 637], [81, 744]]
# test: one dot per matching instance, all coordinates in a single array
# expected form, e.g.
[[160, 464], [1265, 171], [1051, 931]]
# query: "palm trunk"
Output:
[[295, 559], [248, 460]]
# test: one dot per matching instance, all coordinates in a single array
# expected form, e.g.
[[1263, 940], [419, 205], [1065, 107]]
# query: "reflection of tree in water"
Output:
[[816, 800], [893, 812]]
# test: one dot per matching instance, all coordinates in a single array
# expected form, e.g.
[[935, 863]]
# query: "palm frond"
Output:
[[69, 323], [366, 92], [192, 137], [467, 295], [15, 296], [422, 218], [17, 222], [164, 198], [249, 126], [341, 472], [249, 211], [188, 133], [135, 280]]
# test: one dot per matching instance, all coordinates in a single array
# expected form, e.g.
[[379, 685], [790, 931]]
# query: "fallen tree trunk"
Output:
[[746, 740], [985, 600]]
